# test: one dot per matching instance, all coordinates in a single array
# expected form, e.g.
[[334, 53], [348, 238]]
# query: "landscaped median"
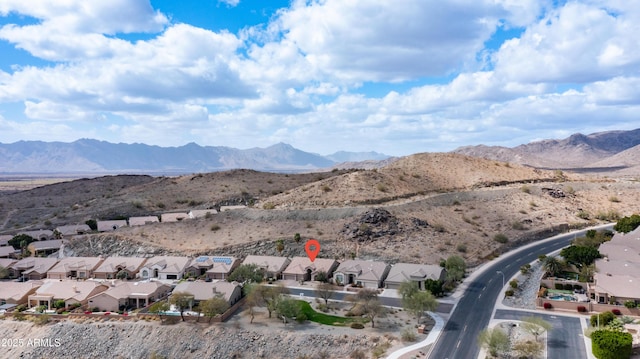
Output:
[[327, 319]]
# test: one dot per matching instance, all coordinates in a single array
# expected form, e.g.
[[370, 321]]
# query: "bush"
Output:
[[568, 286], [19, 316], [462, 248], [630, 304], [547, 305], [577, 287], [357, 325], [509, 293], [605, 318], [408, 335], [500, 238], [616, 312], [21, 308], [513, 283], [607, 344], [41, 319], [582, 309], [559, 286]]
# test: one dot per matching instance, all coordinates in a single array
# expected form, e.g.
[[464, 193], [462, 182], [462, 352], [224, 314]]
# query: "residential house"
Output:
[[71, 292], [173, 217], [164, 267], [369, 274], [214, 267], [32, 268], [201, 213], [8, 251], [17, 293], [6, 263], [71, 230], [303, 269], [231, 292], [39, 235], [74, 267], [272, 266], [142, 221], [129, 295], [110, 267], [108, 226], [617, 275], [419, 273], [44, 248]]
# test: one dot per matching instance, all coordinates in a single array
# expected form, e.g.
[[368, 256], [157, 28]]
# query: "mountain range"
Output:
[[611, 150], [93, 156]]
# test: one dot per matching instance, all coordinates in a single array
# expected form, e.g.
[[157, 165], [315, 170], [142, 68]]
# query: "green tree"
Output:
[[214, 306], [495, 341], [536, 326], [456, 268], [246, 273], [253, 298], [627, 224], [580, 256], [289, 308], [602, 319], [324, 291], [419, 303], [21, 241], [436, 287], [269, 296], [58, 304], [182, 301], [552, 265], [122, 274], [159, 308], [373, 309], [586, 273], [407, 289], [297, 238]]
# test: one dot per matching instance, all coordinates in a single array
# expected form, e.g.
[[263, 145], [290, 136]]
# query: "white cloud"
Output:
[[230, 3]]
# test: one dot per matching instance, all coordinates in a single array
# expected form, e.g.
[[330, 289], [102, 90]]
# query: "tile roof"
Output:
[[299, 265], [269, 263], [401, 272]]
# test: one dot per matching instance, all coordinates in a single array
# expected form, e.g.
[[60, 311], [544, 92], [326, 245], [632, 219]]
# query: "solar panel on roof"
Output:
[[201, 259], [225, 260]]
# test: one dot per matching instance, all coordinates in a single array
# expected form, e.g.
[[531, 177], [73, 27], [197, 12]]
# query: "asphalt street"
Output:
[[473, 312]]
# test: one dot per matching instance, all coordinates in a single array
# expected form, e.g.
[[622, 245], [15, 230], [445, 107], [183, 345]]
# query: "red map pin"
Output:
[[312, 247]]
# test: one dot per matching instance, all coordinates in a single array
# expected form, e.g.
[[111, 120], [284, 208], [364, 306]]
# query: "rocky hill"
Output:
[[576, 151]]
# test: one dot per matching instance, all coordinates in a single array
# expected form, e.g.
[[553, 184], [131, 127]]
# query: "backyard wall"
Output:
[[590, 307]]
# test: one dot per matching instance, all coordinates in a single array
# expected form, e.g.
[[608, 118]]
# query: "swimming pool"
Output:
[[565, 297]]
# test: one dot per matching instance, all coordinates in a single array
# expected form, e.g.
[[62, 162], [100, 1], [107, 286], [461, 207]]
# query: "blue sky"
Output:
[[363, 75]]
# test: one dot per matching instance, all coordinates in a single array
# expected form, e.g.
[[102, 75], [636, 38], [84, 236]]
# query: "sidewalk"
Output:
[[430, 339]]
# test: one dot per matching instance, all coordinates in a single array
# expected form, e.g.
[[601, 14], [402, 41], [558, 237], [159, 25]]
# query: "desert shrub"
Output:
[[462, 248], [582, 309], [514, 283], [408, 335], [21, 308], [19, 316], [542, 292], [41, 319], [509, 293], [614, 199], [357, 325], [500, 238], [269, 205], [518, 226], [215, 227], [616, 311], [547, 305], [325, 188], [525, 189], [630, 304], [357, 354], [525, 268], [582, 214], [381, 187], [607, 344]]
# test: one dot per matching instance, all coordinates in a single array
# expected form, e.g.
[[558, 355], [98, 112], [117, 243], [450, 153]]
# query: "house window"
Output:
[[145, 274]]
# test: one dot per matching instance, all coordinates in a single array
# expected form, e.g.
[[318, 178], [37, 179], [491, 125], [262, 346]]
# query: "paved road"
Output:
[[473, 312], [565, 340], [386, 301]]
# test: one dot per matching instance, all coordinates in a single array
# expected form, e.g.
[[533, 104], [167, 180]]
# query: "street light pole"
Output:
[[502, 277]]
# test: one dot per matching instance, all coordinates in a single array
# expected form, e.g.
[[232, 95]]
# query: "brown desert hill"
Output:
[[123, 196], [576, 151], [406, 177]]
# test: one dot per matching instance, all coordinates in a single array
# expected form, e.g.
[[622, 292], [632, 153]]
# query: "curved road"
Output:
[[458, 339]]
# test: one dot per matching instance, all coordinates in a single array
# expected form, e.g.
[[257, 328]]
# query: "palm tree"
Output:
[[553, 266]]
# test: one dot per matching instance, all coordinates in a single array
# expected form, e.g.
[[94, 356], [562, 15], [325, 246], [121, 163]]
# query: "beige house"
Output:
[[111, 266], [74, 267], [419, 273], [129, 295], [214, 267], [109, 226], [617, 275], [7, 263], [272, 266], [369, 274], [17, 293], [231, 292], [71, 292], [7, 251], [201, 213], [72, 230], [40, 235], [44, 248], [303, 269], [164, 267], [32, 268], [173, 217], [141, 221]]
